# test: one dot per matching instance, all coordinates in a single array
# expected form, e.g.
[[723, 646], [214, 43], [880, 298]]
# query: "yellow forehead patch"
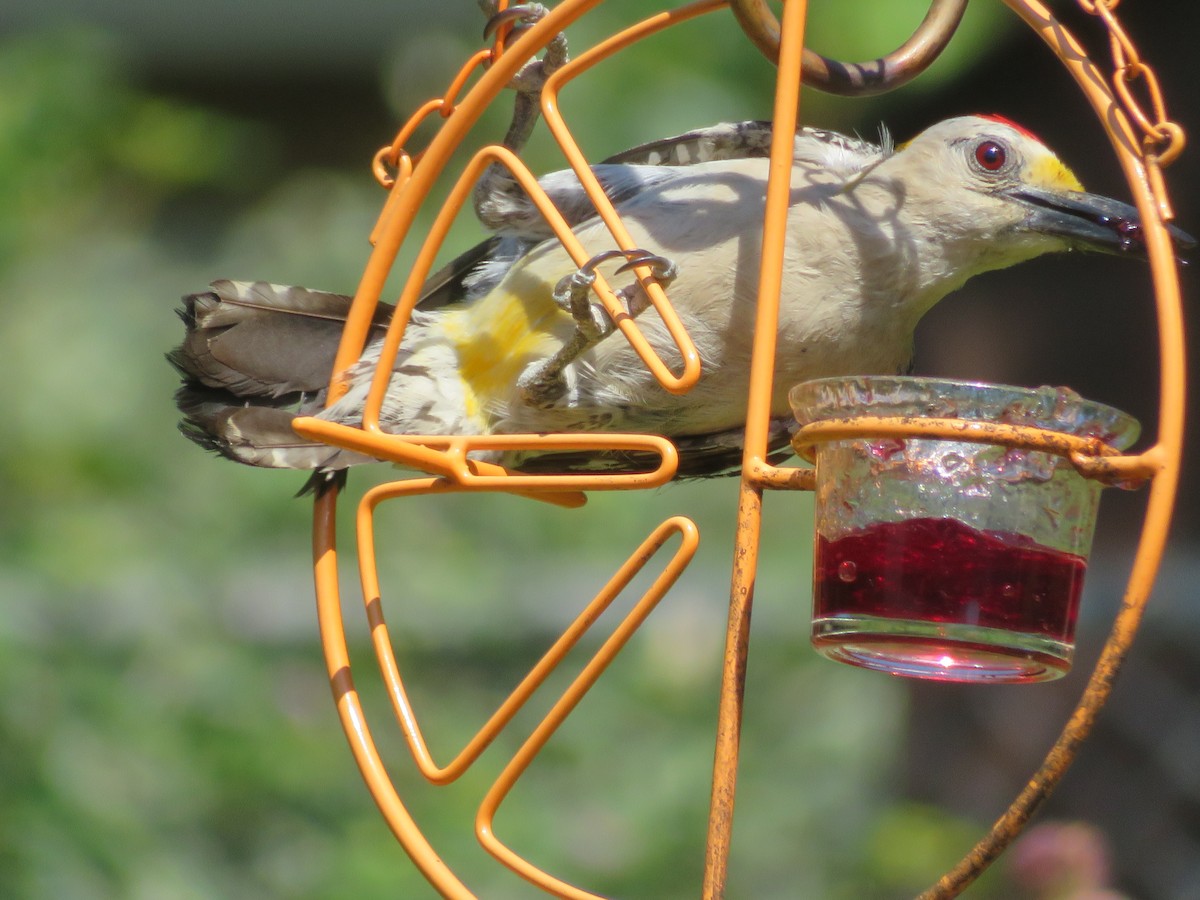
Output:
[[1046, 171]]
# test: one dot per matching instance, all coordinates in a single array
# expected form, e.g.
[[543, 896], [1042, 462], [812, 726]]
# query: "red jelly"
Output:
[[963, 601]]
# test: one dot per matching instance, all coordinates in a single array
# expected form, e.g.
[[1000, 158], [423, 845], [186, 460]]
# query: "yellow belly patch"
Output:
[[497, 337]]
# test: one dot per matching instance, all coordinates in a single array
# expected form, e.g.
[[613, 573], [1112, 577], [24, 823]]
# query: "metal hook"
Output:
[[863, 79]]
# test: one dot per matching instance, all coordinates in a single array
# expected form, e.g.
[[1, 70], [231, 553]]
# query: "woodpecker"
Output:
[[508, 338]]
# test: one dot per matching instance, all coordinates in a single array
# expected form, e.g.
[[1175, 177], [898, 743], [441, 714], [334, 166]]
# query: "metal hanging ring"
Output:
[[863, 79]]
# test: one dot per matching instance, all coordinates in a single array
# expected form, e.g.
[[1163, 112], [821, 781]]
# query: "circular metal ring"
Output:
[[863, 79]]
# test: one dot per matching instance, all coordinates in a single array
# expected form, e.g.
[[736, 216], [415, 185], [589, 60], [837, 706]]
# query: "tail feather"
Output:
[[253, 435], [263, 340], [254, 356]]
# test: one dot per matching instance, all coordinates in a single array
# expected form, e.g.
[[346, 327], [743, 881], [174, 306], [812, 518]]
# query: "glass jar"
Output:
[[952, 559]]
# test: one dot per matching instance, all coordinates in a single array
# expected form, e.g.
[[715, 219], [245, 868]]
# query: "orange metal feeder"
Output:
[[1145, 141]]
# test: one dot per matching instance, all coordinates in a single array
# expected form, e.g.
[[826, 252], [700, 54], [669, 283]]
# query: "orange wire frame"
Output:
[[448, 468]]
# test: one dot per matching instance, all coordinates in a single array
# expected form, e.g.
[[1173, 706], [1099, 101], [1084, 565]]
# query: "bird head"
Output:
[[991, 188]]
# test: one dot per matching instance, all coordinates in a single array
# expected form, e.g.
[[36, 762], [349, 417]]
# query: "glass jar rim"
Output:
[[1055, 408]]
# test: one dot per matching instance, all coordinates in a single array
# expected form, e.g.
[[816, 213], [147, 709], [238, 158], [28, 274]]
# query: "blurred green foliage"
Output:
[[165, 726]]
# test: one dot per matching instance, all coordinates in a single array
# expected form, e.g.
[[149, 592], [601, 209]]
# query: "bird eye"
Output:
[[990, 155]]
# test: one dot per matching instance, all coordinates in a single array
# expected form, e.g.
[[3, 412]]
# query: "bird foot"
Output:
[[497, 180], [544, 382], [532, 76], [573, 292]]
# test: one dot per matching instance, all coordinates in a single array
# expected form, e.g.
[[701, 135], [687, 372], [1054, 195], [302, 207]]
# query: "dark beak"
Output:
[[1090, 221]]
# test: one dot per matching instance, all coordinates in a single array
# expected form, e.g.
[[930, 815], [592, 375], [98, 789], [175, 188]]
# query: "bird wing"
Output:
[[505, 208]]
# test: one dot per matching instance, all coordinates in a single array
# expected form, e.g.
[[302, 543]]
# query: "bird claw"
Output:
[[569, 286], [573, 292], [663, 270], [524, 14]]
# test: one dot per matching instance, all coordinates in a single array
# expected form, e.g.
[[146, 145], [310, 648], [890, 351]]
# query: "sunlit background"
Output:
[[166, 730]]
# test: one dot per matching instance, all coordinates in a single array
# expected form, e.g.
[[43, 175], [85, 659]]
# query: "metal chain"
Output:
[[1162, 138]]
